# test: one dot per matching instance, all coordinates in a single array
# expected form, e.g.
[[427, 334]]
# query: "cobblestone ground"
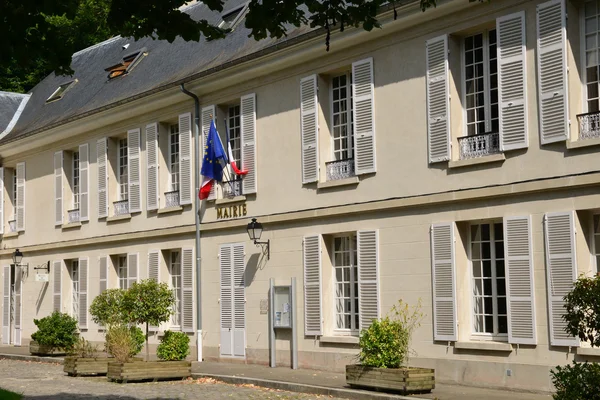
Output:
[[40, 381]]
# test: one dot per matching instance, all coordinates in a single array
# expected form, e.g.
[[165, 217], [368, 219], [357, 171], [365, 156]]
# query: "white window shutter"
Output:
[[364, 116], [58, 188], [248, 125], [512, 84], [368, 277], [6, 304], [1, 200], [103, 266], [20, 196], [561, 272], [226, 298], [444, 282], [207, 112], [239, 301], [133, 271], [552, 71], [154, 265], [438, 99], [57, 267], [187, 289], [520, 289], [152, 176], [83, 292], [313, 320], [102, 163], [309, 125], [84, 182], [18, 305], [133, 168], [185, 159]]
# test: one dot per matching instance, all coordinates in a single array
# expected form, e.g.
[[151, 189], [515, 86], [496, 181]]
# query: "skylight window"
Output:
[[60, 92], [125, 66], [232, 17]]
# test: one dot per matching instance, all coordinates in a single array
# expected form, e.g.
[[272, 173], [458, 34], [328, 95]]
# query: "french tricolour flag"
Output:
[[213, 160]]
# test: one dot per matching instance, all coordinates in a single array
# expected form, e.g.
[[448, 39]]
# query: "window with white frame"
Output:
[[346, 284], [341, 117], [123, 175], [591, 32], [14, 194], [481, 83], [596, 241], [235, 133], [76, 180], [74, 273], [175, 272], [174, 157], [122, 272], [488, 281]]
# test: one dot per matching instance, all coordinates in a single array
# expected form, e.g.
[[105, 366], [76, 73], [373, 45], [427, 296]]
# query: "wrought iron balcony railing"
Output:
[[232, 188], [172, 198], [341, 169], [479, 145], [121, 207], [12, 225], [73, 215], [589, 125]]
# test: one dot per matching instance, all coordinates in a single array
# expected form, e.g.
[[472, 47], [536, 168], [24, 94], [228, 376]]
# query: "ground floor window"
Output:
[[122, 272], [345, 284], [74, 273], [488, 280], [175, 272]]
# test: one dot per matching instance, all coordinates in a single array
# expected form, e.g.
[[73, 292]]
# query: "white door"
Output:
[[7, 313], [233, 313]]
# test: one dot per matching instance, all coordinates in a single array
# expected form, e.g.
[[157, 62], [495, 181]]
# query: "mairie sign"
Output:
[[232, 211]]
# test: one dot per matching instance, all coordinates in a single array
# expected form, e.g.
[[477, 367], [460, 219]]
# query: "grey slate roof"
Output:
[[165, 65], [9, 105]]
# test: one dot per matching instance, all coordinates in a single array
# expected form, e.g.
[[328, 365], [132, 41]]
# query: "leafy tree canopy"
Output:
[[38, 37]]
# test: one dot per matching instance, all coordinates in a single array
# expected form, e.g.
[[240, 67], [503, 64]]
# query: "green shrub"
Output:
[[174, 346], [579, 381], [138, 338], [582, 306], [124, 342], [57, 331], [386, 343], [107, 308], [84, 349]]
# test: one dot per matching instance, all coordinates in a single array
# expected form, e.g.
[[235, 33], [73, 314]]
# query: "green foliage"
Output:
[[58, 331], [124, 342], [579, 381], [6, 395], [148, 302], [107, 308], [138, 338], [174, 346], [582, 306], [84, 349], [386, 343]]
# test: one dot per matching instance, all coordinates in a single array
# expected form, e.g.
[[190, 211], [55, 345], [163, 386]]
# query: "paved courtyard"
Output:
[[41, 381]]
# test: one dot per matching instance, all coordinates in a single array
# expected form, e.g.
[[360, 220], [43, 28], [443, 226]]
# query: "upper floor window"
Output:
[[341, 115], [235, 132], [174, 156], [123, 176], [592, 46], [346, 283], [76, 180], [14, 194]]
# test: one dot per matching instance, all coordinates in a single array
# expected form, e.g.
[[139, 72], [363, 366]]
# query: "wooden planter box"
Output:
[[78, 366], [42, 350], [405, 380], [148, 370]]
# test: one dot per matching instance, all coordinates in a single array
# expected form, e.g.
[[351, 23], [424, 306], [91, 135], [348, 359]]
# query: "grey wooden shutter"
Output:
[[83, 292], [132, 268], [20, 196], [57, 267], [133, 169], [154, 265], [185, 159], [313, 321], [512, 81], [187, 289], [239, 301], [1, 200], [84, 182], [6, 304], [226, 299], [561, 269], [58, 188], [152, 176], [309, 125], [368, 277], [103, 266], [519, 280], [438, 99], [102, 163], [207, 112], [364, 116], [444, 282], [552, 71], [248, 127], [18, 306]]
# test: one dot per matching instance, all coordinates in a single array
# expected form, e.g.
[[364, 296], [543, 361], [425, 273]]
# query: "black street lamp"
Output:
[[255, 230]]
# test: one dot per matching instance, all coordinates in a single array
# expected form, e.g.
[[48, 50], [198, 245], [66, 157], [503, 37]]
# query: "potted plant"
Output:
[[85, 360], [56, 334], [384, 354]]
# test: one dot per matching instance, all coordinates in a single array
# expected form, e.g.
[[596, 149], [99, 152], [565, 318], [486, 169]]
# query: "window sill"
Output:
[[484, 345], [476, 161], [167, 210], [587, 351], [340, 182], [10, 235], [118, 218], [71, 225], [580, 143], [235, 199], [339, 339]]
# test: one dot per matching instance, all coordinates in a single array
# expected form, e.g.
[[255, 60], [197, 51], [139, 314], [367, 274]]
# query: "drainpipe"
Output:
[[197, 217]]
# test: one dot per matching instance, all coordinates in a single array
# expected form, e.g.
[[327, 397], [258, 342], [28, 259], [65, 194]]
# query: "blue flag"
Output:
[[214, 155]]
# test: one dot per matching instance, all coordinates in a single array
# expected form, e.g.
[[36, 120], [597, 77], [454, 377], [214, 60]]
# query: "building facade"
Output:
[[447, 158]]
